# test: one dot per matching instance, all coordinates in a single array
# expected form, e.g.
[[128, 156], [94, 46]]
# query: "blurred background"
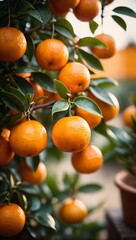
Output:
[[121, 67]]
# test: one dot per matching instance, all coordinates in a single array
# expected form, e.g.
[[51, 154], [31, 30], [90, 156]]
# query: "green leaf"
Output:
[[90, 59], [4, 196], [125, 11], [101, 94], [120, 21], [90, 188], [61, 89], [32, 13], [93, 26], [44, 12], [28, 188], [46, 220], [104, 82], [20, 6], [70, 180], [44, 81], [34, 204], [63, 31], [60, 106], [30, 46], [66, 24], [13, 101], [91, 42], [33, 162], [88, 105], [53, 184], [24, 85], [19, 94]]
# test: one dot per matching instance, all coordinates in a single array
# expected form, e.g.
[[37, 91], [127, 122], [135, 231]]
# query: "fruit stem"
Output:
[[53, 27]]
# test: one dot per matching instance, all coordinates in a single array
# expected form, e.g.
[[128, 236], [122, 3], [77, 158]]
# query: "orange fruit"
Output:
[[87, 10], [12, 219], [71, 134], [12, 44], [75, 76], [108, 111], [33, 177], [72, 211], [6, 153], [52, 54], [127, 115], [92, 119], [55, 11], [28, 138], [110, 49], [87, 161], [63, 6]]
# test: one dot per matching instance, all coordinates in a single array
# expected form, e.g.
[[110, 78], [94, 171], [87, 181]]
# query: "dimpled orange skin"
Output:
[[6, 153], [12, 219], [75, 76], [73, 211], [92, 119], [12, 44], [110, 49], [108, 111], [127, 115], [63, 6], [71, 134], [87, 161], [87, 10], [52, 54], [33, 177], [28, 138]]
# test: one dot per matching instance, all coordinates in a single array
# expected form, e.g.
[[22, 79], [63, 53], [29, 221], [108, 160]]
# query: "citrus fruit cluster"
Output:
[[27, 136]]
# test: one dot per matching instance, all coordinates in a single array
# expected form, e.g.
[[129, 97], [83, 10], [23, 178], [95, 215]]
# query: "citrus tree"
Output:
[[50, 102]]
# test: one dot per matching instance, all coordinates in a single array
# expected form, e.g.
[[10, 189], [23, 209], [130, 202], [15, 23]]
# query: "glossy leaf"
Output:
[[34, 204], [46, 220], [30, 46], [24, 85], [33, 162], [60, 106], [66, 24], [88, 105], [44, 12], [44, 81], [104, 82], [19, 94], [28, 188], [63, 31], [120, 21], [101, 94], [91, 42], [90, 59], [32, 13], [125, 11], [13, 101], [93, 26], [90, 188], [61, 89]]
